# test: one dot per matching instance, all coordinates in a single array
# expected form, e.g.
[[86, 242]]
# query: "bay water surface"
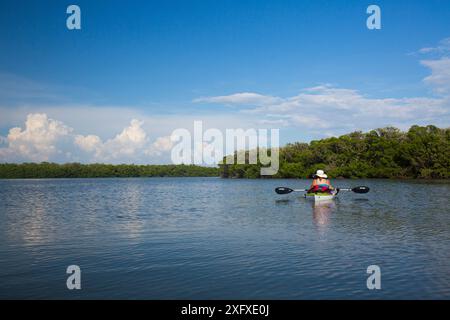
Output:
[[212, 238]]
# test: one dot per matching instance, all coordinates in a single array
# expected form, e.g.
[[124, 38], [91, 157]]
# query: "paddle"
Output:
[[285, 190], [360, 189]]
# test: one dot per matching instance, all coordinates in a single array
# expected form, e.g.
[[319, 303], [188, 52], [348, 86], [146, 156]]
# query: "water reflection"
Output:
[[322, 211], [360, 200], [283, 201], [35, 226], [129, 210]]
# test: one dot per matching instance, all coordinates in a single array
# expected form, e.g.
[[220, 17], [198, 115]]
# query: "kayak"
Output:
[[321, 196]]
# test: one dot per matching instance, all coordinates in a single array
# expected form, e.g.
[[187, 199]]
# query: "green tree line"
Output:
[[77, 170], [421, 152]]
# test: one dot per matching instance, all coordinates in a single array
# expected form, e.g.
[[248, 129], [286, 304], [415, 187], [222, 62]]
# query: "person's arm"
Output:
[[329, 183]]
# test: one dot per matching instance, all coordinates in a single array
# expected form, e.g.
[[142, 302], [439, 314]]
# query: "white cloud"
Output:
[[242, 98], [442, 48], [85, 118], [438, 61], [274, 123], [88, 143], [132, 135], [307, 120], [338, 109], [160, 146], [46, 139], [440, 74], [96, 137], [37, 142], [126, 144], [129, 145]]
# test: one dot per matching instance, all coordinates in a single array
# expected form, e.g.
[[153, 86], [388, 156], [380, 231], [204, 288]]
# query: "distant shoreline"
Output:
[[47, 170], [44, 170]]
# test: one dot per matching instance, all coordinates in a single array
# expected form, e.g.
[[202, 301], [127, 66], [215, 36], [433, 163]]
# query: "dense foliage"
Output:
[[77, 170], [421, 152]]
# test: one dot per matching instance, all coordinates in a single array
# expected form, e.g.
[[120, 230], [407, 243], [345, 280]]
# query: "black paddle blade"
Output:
[[361, 189], [283, 190]]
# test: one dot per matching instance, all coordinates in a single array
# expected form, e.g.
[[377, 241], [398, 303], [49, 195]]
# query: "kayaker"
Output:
[[321, 183]]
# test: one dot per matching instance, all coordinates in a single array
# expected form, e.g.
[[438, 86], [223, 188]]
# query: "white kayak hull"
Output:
[[320, 197]]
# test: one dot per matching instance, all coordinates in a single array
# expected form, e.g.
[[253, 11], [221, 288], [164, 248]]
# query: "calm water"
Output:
[[209, 238]]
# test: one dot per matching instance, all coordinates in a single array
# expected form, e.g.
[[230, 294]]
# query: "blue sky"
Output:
[[311, 68]]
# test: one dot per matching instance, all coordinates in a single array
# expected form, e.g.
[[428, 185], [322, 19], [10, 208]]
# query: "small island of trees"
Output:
[[421, 152]]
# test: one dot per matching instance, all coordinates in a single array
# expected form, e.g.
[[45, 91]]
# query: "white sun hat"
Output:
[[321, 174]]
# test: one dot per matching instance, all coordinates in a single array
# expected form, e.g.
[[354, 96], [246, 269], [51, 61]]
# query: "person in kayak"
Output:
[[321, 183]]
